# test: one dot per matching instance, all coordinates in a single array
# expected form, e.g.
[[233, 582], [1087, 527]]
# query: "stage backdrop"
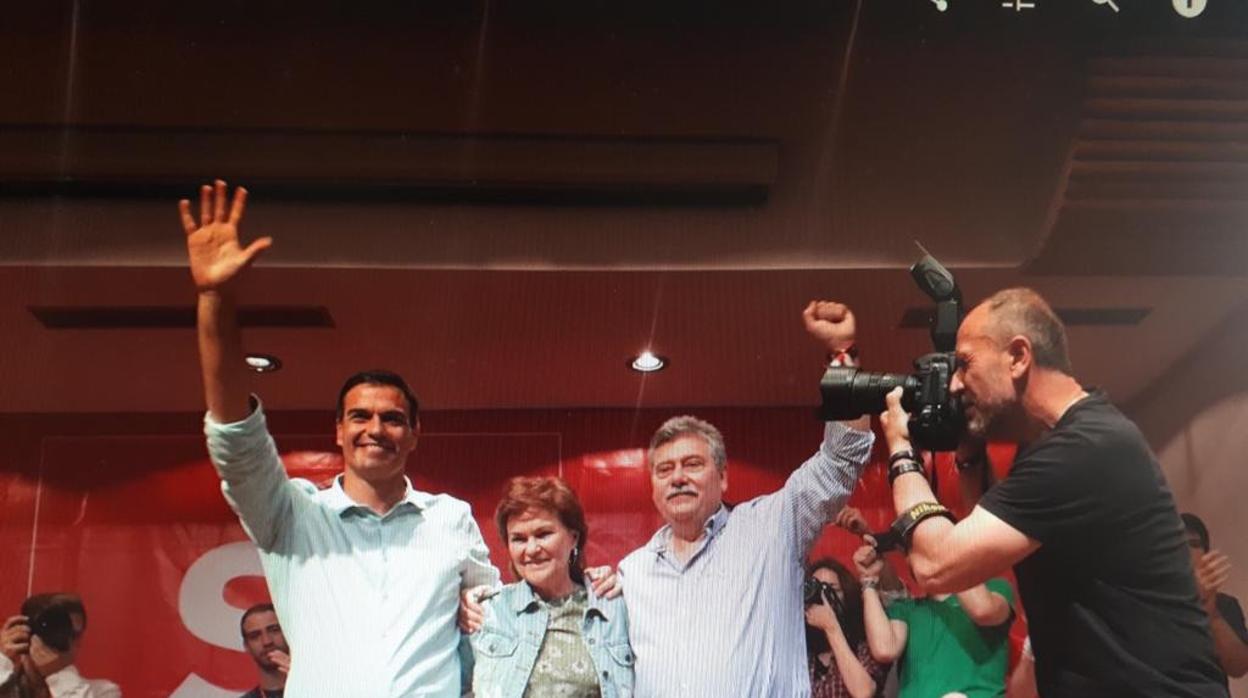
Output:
[[137, 525]]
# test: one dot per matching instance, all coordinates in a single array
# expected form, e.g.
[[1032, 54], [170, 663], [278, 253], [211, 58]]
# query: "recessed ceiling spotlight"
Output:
[[647, 362], [263, 363]]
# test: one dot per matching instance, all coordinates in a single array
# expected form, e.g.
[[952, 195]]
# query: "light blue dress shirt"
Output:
[[367, 602], [729, 621], [510, 639]]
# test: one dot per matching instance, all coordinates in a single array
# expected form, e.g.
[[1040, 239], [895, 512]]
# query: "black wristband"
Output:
[[905, 524], [901, 464], [904, 453]]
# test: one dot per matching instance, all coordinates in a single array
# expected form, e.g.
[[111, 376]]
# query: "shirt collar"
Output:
[[338, 500], [661, 541], [525, 599]]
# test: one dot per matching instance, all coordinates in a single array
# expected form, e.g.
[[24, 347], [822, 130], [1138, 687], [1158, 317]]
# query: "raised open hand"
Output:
[[831, 323], [215, 254]]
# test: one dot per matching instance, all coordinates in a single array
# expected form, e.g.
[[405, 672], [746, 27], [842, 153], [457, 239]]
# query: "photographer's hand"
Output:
[[831, 323], [15, 638], [821, 615], [895, 423], [46, 660]]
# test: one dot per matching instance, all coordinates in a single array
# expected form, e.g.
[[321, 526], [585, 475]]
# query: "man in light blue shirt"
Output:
[[365, 575], [715, 598]]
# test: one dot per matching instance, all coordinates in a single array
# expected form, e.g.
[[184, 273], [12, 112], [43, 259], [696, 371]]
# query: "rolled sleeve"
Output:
[[818, 489], [253, 479], [477, 570]]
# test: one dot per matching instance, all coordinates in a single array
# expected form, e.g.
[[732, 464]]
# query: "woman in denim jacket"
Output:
[[548, 634]]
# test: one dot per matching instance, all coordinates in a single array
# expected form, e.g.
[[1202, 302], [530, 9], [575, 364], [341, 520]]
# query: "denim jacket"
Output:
[[507, 645]]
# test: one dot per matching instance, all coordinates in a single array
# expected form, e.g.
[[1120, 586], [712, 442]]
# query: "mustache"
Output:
[[677, 493]]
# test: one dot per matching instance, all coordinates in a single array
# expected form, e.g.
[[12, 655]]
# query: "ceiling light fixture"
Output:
[[263, 363], [648, 362]]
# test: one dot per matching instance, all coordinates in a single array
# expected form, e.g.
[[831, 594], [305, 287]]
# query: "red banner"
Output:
[[138, 527]]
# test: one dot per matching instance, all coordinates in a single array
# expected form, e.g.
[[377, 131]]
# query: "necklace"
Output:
[[1082, 394]]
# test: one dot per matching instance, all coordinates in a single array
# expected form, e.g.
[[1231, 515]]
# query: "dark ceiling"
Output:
[[504, 201]]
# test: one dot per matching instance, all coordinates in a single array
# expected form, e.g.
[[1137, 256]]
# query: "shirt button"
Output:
[[590, 641]]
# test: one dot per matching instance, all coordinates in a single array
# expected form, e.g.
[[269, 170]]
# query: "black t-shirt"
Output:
[[1110, 597], [1228, 608]]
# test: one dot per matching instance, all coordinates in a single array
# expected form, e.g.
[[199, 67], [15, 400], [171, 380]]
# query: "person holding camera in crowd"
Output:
[[38, 649], [715, 597], [945, 643], [838, 656], [1226, 618], [263, 638], [1084, 516], [547, 634]]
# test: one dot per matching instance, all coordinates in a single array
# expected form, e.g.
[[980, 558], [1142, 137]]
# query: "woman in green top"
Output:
[[947, 643]]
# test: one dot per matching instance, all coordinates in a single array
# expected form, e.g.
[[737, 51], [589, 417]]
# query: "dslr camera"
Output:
[[936, 417], [815, 591], [55, 627]]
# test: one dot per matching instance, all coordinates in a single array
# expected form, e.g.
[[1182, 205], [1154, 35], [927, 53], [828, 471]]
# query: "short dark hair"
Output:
[[379, 376], [1022, 311], [64, 601], [258, 608], [1193, 524]]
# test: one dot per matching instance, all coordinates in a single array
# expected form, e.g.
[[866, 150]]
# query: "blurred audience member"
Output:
[[1023, 678], [38, 649], [1226, 618], [946, 643], [263, 638], [836, 643]]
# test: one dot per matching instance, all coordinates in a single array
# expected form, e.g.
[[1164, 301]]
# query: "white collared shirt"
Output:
[[729, 620], [67, 683], [367, 602]]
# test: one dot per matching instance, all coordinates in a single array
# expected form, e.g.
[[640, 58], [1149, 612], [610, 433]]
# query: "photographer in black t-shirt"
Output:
[[1084, 516]]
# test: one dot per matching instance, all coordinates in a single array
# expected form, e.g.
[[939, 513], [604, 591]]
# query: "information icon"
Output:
[[1189, 8]]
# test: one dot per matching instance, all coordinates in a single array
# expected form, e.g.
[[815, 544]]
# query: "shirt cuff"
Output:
[[235, 442], [841, 440], [250, 423], [63, 681]]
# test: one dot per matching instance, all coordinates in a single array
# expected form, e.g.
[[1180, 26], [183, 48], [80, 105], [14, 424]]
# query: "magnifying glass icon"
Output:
[[1111, 4]]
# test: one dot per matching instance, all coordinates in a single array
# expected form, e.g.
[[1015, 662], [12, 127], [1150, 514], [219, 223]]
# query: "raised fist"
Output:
[[831, 323]]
